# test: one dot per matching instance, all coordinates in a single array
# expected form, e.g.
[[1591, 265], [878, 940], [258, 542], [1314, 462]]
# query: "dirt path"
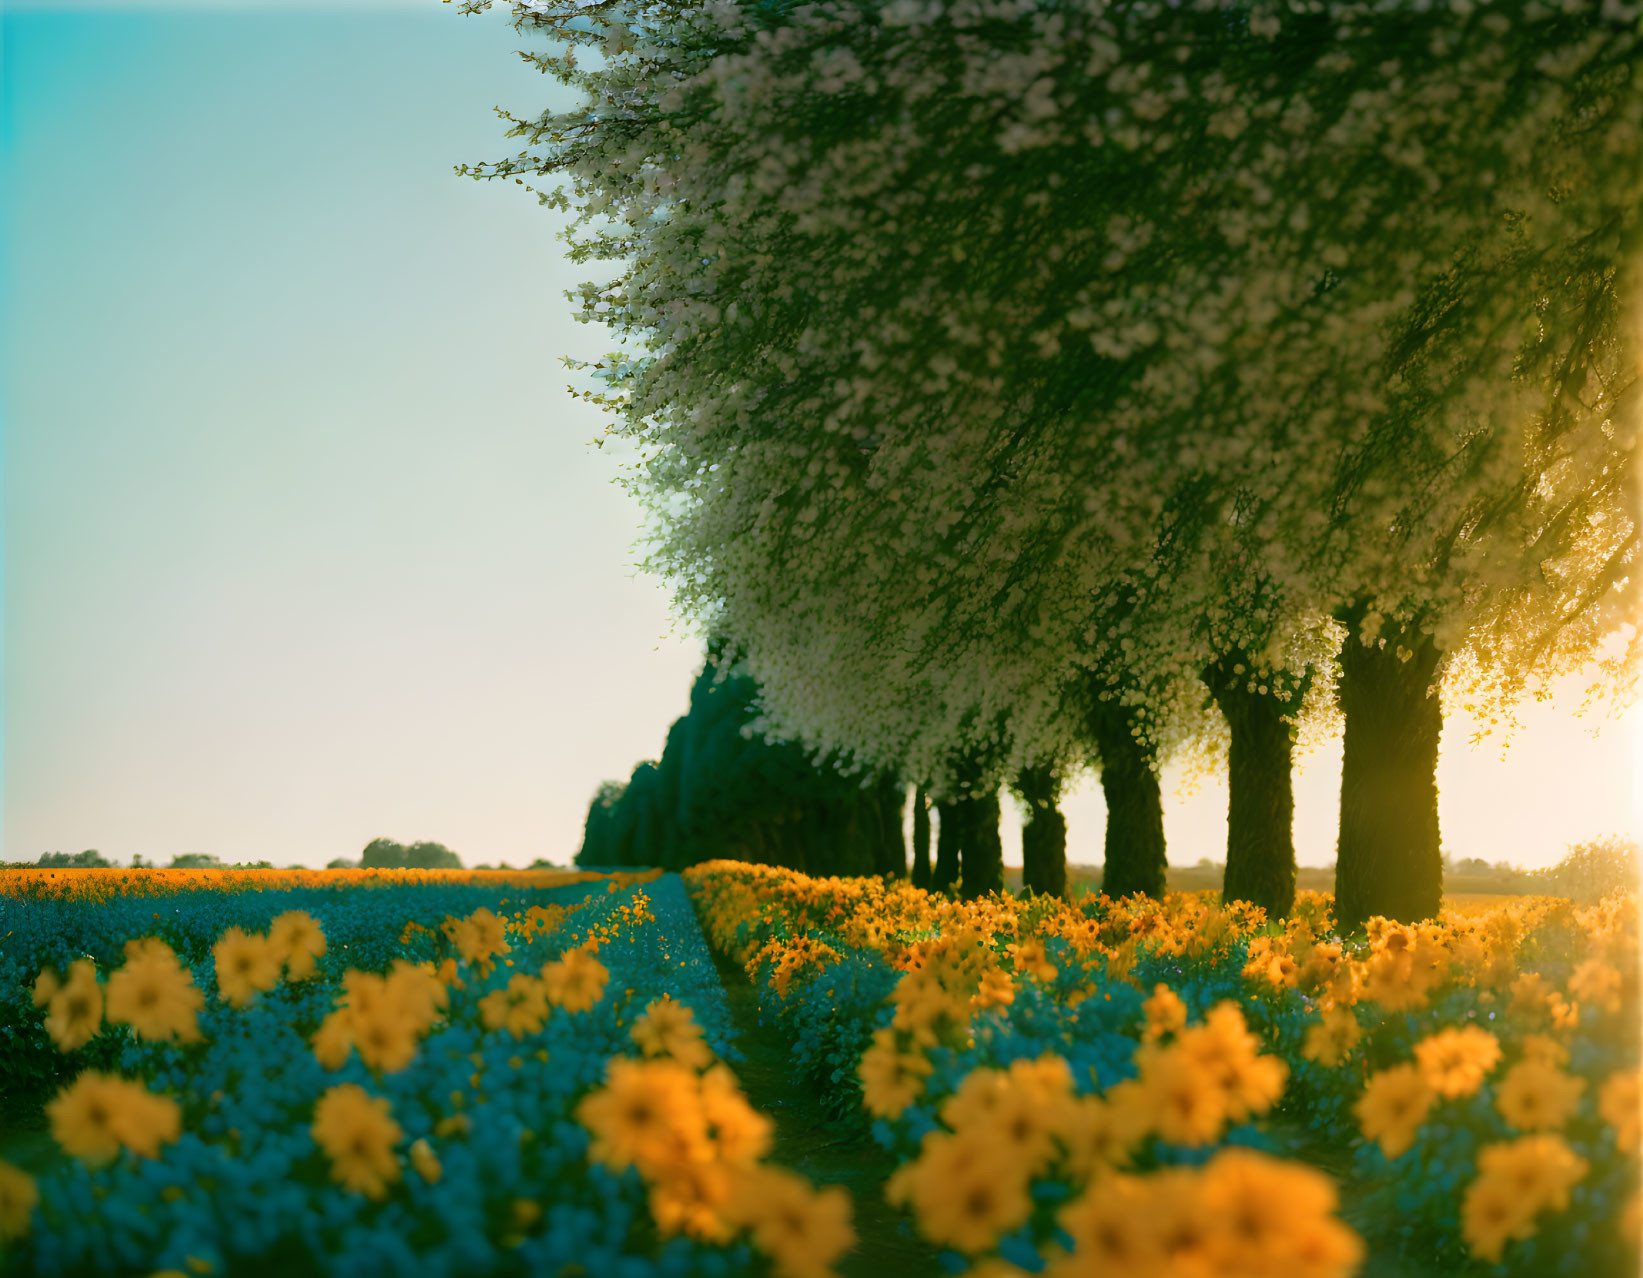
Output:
[[808, 1141]]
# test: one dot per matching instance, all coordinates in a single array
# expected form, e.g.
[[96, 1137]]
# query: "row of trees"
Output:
[[1006, 378], [721, 790]]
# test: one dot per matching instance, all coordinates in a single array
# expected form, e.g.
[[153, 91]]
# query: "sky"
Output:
[[305, 542]]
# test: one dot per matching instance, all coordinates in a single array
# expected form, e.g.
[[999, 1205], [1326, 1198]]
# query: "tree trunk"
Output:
[[1261, 795], [1134, 852], [947, 839], [1389, 859], [889, 796], [921, 838], [981, 846], [1044, 836]]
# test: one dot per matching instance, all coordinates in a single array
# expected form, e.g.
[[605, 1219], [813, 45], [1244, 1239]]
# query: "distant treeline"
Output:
[[720, 792]]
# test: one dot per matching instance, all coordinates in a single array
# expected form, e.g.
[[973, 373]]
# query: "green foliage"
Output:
[[195, 861], [1591, 871], [386, 854], [722, 790], [89, 859]]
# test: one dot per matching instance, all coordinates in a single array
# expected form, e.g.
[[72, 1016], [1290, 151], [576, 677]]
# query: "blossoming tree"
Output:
[[983, 353]]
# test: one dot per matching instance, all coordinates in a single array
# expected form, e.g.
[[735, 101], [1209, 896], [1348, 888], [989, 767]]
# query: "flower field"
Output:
[[1173, 1088], [463, 1073], [412, 1072]]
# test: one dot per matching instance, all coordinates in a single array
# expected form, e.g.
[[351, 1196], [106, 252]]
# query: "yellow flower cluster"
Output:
[[152, 992], [1393, 1106], [74, 1008], [34, 883], [358, 1134], [697, 1143], [971, 1184], [1241, 1214], [98, 1115], [1620, 1104], [575, 982], [384, 1017], [1517, 1180], [479, 938], [906, 926], [1454, 1061], [668, 1028], [789, 957], [251, 963], [1210, 1075]]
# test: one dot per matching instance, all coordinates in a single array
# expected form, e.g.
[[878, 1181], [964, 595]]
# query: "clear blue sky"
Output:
[[304, 541]]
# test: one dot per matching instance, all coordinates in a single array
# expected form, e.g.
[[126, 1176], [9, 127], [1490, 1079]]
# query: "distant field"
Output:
[[1458, 889]]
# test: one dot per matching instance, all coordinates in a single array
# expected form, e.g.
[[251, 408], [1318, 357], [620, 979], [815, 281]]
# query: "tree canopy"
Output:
[[387, 854], [996, 361], [721, 789]]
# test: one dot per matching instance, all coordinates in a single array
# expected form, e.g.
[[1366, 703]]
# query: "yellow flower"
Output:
[[741, 1135], [1265, 1215], [521, 1008], [1598, 983], [961, 1195], [1112, 1231], [1531, 993], [576, 982], [75, 1008], [803, 1231], [358, 1134], [98, 1114], [1098, 1135], [996, 990], [384, 1036], [155, 994], [297, 940], [1541, 1047], [1185, 1105], [1166, 1013], [1229, 1055], [1329, 1041], [246, 964], [334, 1039], [1536, 1095], [1454, 1061], [1491, 1214], [46, 984], [17, 1198], [1620, 1105], [425, 1161], [1393, 1106], [479, 937], [891, 1079], [1516, 1181], [1541, 1169], [1030, 958], [668, 1028], [647, 1113], [692, 1198]]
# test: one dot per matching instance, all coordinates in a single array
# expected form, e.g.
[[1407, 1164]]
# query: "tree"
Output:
[[723, 789], [387, 854], [196, 861], [1044, 835], [88, 859], [903, 280], [921, 838]]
